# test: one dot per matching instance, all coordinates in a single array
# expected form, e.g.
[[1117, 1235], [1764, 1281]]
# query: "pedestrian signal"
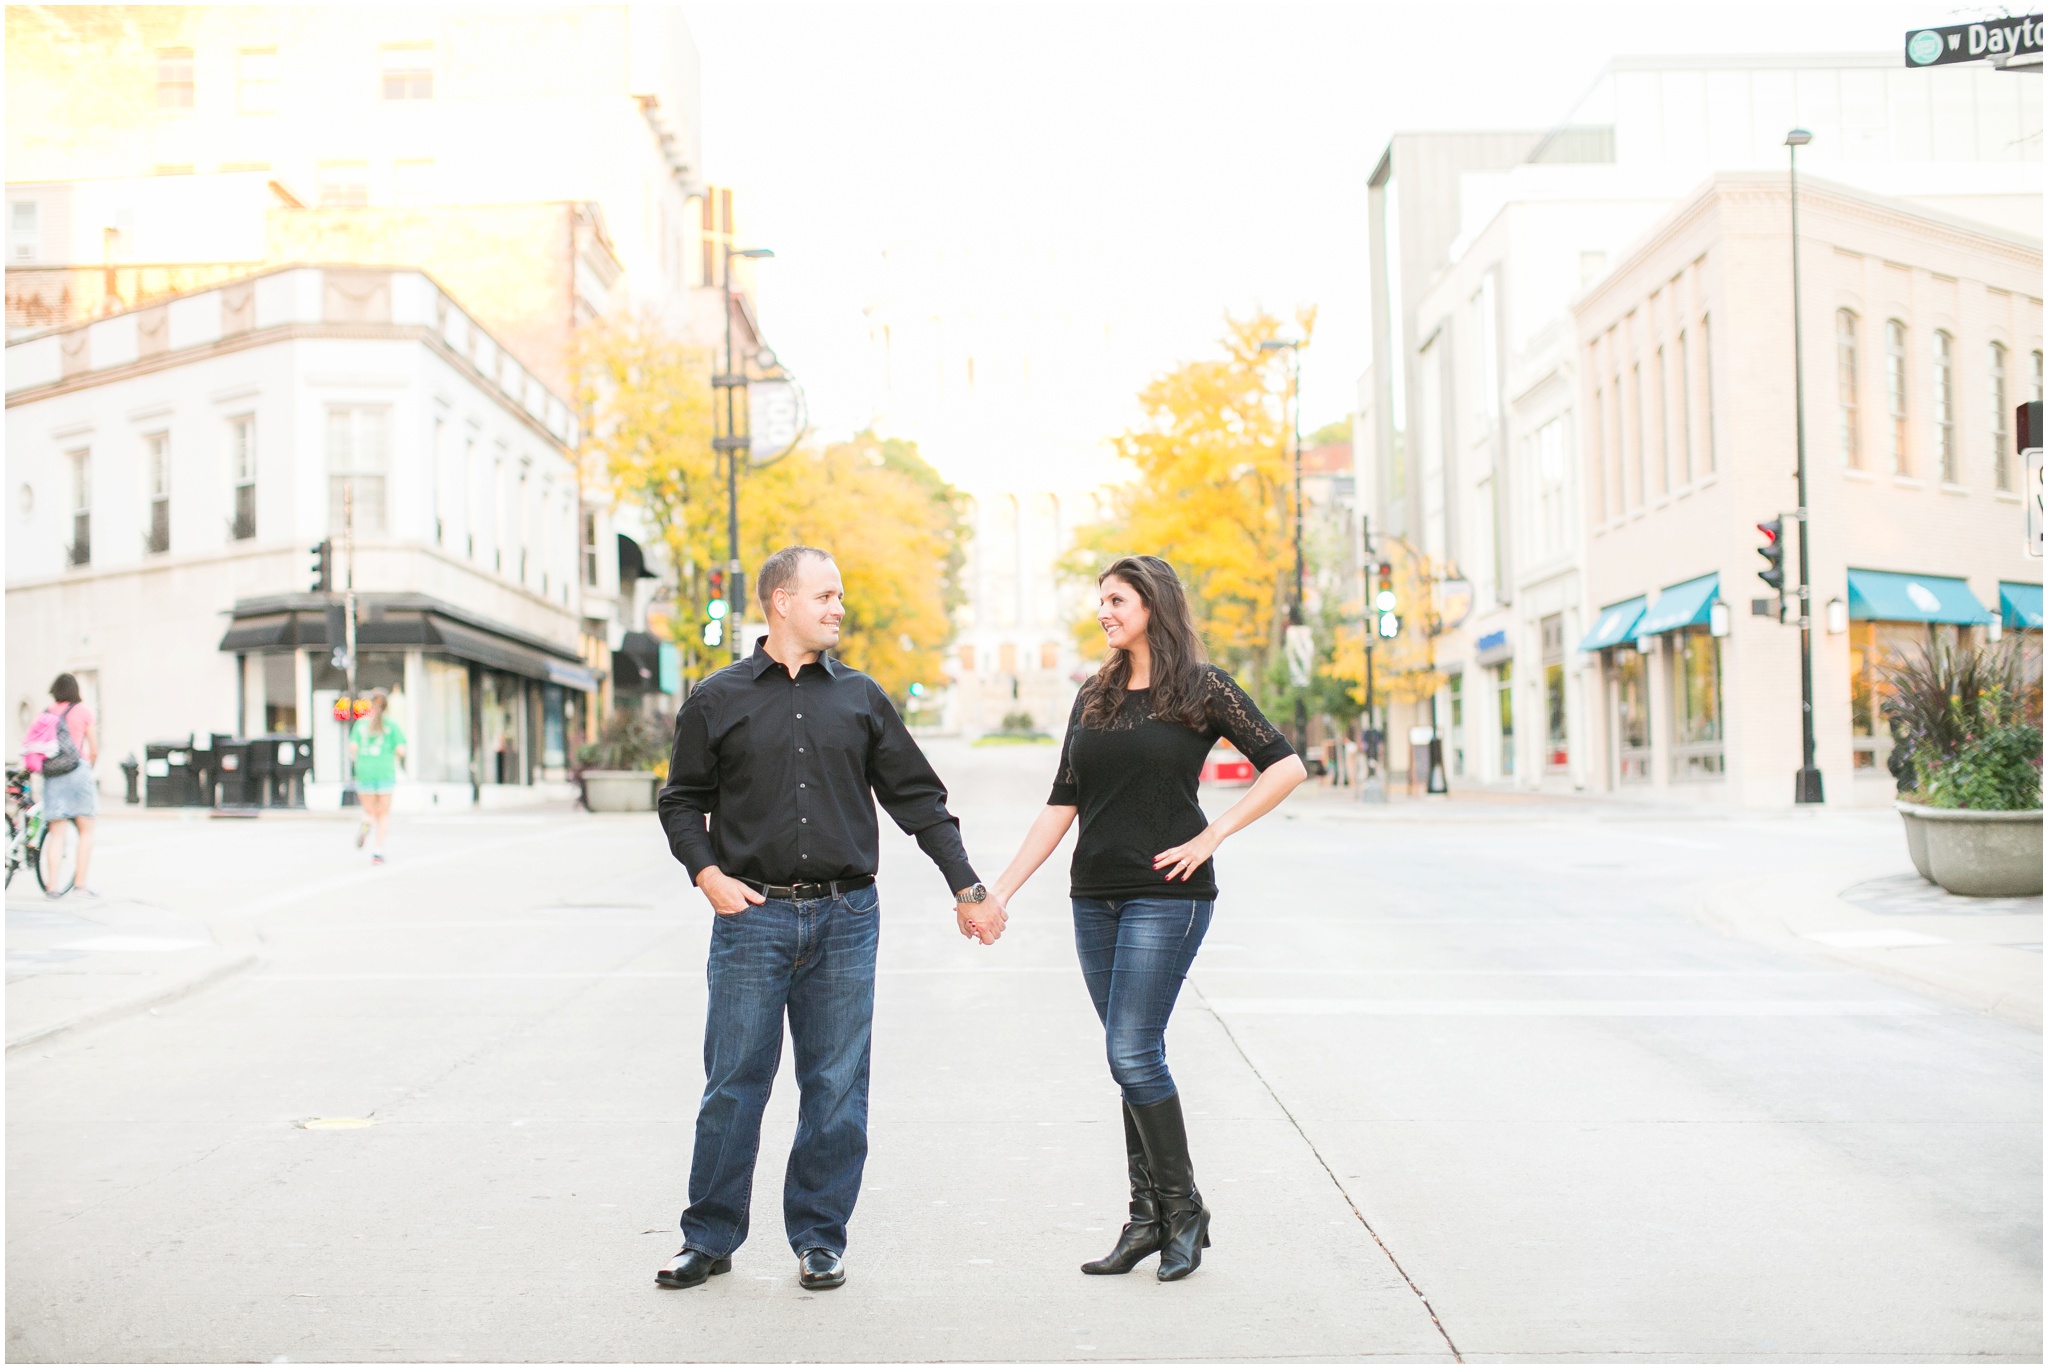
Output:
[[1773, 552], [1390, 625], [714, 633]]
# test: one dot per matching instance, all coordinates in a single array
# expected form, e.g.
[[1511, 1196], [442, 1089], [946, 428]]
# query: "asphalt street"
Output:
[[1464, 1080]]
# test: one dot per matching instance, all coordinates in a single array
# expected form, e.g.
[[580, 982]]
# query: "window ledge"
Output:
[[2005, 496], [1947, 488], [1907, 482], [1851, 473]]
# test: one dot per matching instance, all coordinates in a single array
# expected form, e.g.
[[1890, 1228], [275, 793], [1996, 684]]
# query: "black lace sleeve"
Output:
[[1232, 713], [1066, 793]]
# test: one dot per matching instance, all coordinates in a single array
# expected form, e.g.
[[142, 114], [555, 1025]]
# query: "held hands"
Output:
[[982, 921], [726, 895], [1181, 862]]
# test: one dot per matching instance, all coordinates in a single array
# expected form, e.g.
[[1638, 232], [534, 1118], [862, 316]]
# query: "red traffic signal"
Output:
[[1773, 552]]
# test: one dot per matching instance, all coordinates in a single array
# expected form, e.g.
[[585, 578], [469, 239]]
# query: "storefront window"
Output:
[[1504, 689], [441, 742], [553, 743], [1556, 750], [504, 729], [1875, 646], [1631, 715], [1696, 663]]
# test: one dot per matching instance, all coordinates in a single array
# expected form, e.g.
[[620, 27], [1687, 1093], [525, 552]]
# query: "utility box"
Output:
[[169, 778]]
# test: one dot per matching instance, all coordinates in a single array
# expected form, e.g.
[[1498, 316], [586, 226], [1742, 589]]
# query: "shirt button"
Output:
[[799, 751], [803, 819], [803, 786], [799, 715]]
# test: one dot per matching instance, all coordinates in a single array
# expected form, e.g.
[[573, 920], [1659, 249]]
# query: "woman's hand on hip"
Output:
[[1181, 862]]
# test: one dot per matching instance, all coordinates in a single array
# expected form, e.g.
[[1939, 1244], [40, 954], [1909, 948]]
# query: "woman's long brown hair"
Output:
[[1178, 690]]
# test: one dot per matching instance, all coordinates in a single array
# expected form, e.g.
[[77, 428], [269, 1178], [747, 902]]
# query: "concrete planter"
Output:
[[1916, 837], [1979, 853], [619, 791]]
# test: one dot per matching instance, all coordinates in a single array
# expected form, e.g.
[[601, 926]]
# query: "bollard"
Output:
[[131, 770]]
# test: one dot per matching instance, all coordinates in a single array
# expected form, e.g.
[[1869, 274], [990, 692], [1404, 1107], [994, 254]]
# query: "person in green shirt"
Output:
[[376, 745]]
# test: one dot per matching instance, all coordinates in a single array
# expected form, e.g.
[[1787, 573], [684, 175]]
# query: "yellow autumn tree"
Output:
[[898, 531], [1212, 493]]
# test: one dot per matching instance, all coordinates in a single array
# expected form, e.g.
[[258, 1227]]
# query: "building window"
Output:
[[1552, 510], [2001, 449], [2036, 393], [1612, 420], [1631, 716], [1663, 426], [1456, 688], [1048, 655], [1504, 700], [1873, 646], [472, 514], [1945, 408], [1845, 386], [1635, 395], [966, 654], [408, 71], [1895, 392], [1685, 406], [1696, 743], [1557, 747], [358, 451], [79, 553], [344, 185], [1594, 434], [1707, 374], [256, 80], [439, 455], [156, 461], [174, 78], [24, 230], [242, 467], [590, 548], [1006, 658]]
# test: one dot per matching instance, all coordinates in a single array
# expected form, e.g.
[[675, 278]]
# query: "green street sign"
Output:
[[2014, 41]]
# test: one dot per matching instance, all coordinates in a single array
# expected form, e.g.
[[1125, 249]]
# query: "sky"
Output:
[[1129, 172]]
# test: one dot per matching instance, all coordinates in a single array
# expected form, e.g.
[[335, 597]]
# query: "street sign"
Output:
[[2012, 42], [1454, 601], [776, 419], [1301, 655]]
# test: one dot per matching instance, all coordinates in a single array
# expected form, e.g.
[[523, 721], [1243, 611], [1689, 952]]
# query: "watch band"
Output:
[[974, 893]]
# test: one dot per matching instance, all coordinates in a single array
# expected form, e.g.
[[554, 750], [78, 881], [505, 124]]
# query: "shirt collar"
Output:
[[761, 662]]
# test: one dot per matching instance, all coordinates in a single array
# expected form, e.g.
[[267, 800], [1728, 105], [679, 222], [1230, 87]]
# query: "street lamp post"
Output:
[[1296, 611], [1807, 786], [732, 384]]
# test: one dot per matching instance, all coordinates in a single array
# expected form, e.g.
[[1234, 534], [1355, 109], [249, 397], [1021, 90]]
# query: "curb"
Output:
[[240, 956], [1755, 910]]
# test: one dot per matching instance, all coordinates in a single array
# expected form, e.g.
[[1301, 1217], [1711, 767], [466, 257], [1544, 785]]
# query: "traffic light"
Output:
[[1383, 600], [715, 609], [1773, 552], [321, 567]]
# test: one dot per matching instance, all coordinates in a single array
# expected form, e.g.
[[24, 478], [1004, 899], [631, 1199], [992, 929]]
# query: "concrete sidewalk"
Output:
[[1978, 953]]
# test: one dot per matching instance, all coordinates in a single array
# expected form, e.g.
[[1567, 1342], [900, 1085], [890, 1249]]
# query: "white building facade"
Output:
[[170, 468]]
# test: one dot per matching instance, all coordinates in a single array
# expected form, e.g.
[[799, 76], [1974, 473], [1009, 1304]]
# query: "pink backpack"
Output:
[[40, 742]]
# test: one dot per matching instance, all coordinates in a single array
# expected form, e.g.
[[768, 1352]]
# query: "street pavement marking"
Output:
[[1875, 939], [117, 942], [1565, 1007]]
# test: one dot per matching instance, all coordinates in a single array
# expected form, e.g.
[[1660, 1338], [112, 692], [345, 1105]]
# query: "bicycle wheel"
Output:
[[14, 844], [56, 879]]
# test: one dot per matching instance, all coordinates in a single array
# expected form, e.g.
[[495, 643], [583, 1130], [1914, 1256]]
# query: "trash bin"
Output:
[[234, 786], [283, 761], [169, 777]]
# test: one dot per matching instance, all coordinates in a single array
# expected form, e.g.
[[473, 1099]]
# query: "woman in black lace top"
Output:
[[1143, 883]]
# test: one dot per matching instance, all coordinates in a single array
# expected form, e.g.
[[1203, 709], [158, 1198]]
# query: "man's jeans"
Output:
[[1134, 954], [817, 959]]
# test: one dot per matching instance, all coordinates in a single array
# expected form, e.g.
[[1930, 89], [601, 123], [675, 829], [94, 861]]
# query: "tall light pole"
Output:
[[1296, 611], [732, 384], [1806, 786]]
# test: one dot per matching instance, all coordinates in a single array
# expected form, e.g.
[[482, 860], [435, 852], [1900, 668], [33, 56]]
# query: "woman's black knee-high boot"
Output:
[[1144, 1233], [1181, 1213]]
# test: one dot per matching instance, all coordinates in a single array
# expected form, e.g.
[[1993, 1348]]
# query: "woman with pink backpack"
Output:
[[62, 744]]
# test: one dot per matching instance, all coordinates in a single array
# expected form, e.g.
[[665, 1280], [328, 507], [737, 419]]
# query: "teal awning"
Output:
[[1686, 605], [1616, 624], [1888, 596], [2019, 605]]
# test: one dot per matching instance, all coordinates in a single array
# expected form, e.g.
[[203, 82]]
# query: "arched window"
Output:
[[1845, 385], [1945, 408], [2001, 423], [1895, 392]]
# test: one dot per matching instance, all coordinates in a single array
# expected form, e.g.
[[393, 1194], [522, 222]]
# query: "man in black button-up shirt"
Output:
[[770, 803]]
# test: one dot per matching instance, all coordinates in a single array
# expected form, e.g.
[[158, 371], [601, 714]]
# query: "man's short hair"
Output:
[[779, 572]]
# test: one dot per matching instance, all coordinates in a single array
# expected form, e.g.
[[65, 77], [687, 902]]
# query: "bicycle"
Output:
[[27, 830]]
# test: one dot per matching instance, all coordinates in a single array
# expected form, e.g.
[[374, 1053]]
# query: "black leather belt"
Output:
[[797, 893]]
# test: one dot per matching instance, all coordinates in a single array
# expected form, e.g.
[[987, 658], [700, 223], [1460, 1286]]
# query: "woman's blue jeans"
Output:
[[816, 961], [1134, 954]]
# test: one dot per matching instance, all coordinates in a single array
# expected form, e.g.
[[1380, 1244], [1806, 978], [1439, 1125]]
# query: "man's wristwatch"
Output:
[[975, 893]]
